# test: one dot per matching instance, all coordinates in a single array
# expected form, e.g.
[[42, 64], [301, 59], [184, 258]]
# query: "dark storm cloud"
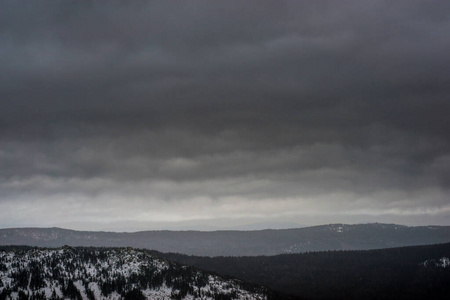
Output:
[[345, 101]]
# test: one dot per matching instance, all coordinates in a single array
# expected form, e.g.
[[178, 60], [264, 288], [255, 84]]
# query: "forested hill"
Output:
[[420, 272], [87, 273], [238, 243]]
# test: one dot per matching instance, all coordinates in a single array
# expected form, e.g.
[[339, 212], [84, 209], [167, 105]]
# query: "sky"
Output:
[[133, 115]]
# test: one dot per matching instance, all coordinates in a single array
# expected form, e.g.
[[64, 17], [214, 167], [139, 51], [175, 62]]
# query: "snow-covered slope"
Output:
[[88, 273]]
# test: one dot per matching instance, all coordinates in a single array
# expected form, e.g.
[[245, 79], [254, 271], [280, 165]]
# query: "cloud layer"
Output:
[[165, 111]]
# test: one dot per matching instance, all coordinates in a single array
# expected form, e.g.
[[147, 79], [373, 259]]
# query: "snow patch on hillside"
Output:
[[443, 262]]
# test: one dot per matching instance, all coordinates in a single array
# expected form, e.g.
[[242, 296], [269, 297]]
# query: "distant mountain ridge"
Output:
[[238, 243]]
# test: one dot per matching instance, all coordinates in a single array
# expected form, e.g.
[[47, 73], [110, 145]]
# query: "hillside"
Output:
[[420, 272], [238, 243], [88, 273]]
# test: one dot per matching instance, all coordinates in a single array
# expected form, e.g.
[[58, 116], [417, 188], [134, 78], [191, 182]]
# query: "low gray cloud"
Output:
[[238, 110]]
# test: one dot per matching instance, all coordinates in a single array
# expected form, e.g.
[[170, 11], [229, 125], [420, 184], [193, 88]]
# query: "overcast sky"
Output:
[[124, 115]]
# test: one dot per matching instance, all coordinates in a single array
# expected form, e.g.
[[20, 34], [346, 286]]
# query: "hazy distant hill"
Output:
[[238, 243]]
